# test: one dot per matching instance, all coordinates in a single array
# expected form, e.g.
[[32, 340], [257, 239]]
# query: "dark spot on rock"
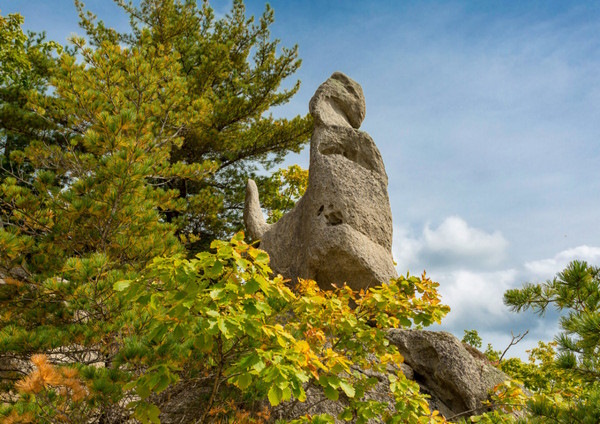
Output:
[[334, 218]]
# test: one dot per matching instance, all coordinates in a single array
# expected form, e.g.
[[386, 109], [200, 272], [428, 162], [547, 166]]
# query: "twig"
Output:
[[515, 339], [482, 407]]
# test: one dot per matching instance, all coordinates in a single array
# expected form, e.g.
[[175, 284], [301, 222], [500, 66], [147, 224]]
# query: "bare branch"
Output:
[[515, 339]]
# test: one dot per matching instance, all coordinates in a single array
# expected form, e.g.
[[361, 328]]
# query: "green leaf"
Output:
[[251, 286], [265, 286], [347, 388], [204, 342], [346, 415], [262, 257], [259, 365], [158, 332], [298, 392], [334, 381], [121, 285], [238, 237], [287, 393], [331, 393], [162, 384], [302, 376], [223, 328], [129, 385], [242, 263], [244, 380], [216, 270], [153, 412], [216, 294], [142, 389], [147, 413], [275, 395]]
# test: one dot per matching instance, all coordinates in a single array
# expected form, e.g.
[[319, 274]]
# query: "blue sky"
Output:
[[488, 120]]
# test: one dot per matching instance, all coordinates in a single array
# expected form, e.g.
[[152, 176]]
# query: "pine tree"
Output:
[[570, 381], [234, 67], [103, 185], [27, 62], [89, 214], [151, 133]]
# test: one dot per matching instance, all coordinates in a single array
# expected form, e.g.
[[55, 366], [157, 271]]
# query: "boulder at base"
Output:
[[457, 378]]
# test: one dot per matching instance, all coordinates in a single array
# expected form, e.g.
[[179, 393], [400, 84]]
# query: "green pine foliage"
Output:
[[27, 63], [575, 290], [90, 213], [560, 383], [567, 382], [237, 70]]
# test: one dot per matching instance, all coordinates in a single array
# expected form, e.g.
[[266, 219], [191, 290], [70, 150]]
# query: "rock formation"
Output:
[[341, 229], [456, 377]]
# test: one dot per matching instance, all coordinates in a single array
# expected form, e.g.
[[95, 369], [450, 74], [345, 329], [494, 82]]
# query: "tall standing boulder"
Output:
[[340, 231]]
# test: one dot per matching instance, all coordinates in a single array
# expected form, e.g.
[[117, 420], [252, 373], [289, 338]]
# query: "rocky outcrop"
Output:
[[340, 231], [457, 379]]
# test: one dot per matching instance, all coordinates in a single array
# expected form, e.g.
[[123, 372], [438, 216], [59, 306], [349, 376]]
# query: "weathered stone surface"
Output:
[[338, 101], [341, 229], [457, 380]]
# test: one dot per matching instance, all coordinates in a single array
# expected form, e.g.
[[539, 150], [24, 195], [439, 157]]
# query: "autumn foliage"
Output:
[[127, 291], [110, 284], [51, 394]]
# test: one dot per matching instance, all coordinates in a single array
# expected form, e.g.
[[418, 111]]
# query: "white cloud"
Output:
[[469, 264], [547, 268], [453, 245], [455, 239], [476, 302], [405, 249], [476, 297]]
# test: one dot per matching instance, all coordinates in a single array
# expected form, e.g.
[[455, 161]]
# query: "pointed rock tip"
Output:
[[338, 101], [254, 220]]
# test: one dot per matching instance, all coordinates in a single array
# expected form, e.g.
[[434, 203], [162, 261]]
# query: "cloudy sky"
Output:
[[487, 116]]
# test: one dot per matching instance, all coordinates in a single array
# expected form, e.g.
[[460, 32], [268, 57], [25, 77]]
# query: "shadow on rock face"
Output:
[[340, 231]]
